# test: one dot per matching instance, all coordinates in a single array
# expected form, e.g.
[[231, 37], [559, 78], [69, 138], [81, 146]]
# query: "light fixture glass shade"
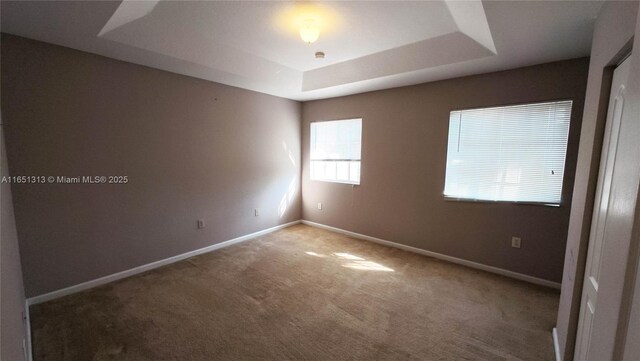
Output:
[[309, 31]]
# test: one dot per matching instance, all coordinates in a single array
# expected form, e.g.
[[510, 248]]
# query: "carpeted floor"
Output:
[[301, 293]]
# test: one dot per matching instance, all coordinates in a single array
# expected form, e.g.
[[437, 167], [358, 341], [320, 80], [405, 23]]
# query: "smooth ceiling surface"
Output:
[[368, 45], [261, 29]]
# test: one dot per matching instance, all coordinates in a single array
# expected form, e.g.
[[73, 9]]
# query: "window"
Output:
[[335, 151], [513, 153]]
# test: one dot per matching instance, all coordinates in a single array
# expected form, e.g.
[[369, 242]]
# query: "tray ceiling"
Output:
[[368, 45]]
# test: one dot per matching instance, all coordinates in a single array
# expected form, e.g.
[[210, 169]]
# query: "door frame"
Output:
[[610, 228]]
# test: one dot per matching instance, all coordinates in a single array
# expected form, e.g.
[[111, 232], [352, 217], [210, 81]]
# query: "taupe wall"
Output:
[[192, 149], [403, 167], [612, 37], [11, 289]]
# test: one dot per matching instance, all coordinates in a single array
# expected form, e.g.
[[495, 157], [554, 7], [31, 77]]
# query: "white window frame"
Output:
[[311, 159], [486, 200]]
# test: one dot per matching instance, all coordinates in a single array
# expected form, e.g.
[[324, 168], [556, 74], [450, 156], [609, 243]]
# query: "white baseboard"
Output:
[[464, 262], [556, 345], [133, 271]]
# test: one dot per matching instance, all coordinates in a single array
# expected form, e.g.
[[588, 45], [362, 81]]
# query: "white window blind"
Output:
[[335, 151], [513, 153]]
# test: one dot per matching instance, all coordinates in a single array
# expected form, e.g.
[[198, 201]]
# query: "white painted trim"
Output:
[[133, 271], [464, 262], [27, 322], [556, 345]]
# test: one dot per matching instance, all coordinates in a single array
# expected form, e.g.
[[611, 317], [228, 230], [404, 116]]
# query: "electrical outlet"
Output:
[[256, 212], [515, 242], [200, 223], [320, 206]]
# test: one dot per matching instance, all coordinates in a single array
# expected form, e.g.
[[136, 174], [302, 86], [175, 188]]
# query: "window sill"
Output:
[[472, 200], [338, 182]]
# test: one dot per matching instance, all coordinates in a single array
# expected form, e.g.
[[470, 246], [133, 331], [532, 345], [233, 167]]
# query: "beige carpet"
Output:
[[301, 294]]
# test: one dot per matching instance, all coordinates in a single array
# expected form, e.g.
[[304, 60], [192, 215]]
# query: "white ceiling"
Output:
[[368, 45]]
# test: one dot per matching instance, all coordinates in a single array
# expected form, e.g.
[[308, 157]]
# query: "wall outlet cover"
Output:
[[516, 242]]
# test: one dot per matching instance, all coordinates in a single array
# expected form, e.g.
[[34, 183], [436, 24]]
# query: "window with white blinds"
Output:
[[513, 153], [335, 151]]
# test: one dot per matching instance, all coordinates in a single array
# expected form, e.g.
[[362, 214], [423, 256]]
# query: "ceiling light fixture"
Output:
[[309, 31]]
